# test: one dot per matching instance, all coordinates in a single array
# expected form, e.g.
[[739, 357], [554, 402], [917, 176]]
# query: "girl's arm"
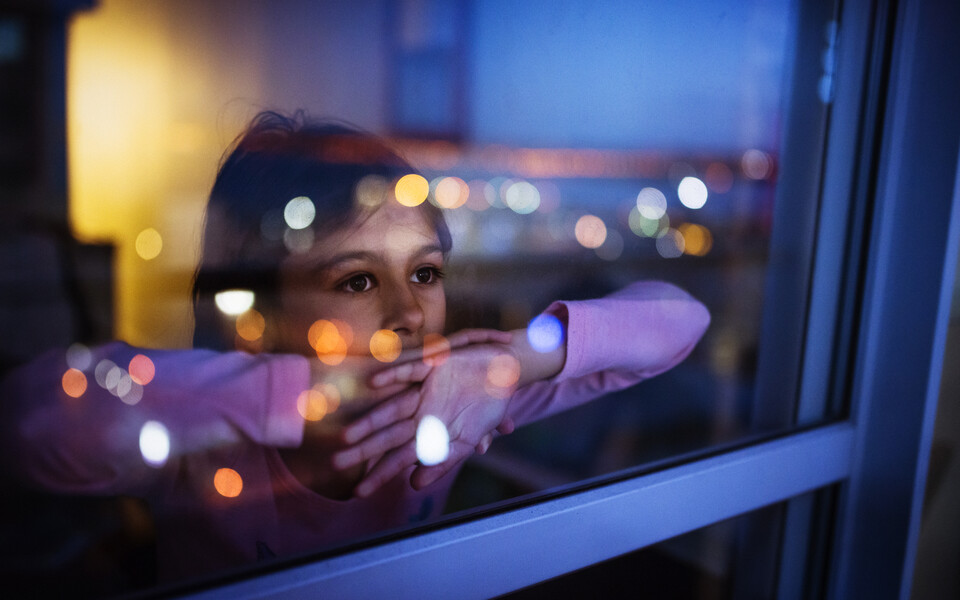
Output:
[[609, 344], [196, 400]]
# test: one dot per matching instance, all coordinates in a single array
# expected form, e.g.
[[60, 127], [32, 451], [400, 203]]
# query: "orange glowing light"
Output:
[[590, 231], [385, 345], [228, 482], [325, 338], [74, 383], [503, 371], [141, 369], [436, 349], [452, 192], [331, 394], [312, 404], [411, 190], [697, 239], [251, 325]]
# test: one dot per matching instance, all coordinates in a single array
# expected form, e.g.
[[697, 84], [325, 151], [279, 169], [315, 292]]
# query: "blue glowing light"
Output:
[[545, 333]]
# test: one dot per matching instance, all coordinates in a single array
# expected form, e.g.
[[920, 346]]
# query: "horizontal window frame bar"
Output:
[[508, 551]]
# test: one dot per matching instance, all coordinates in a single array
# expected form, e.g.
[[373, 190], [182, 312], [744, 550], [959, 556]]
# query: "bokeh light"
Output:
[[718, 177], [299, 213], [545, 333], [503, 372], [522, 197], [228, 482], [298, 241], [590, 231], [154, 443], [644, 227], [651, 203], [251, 325], [756, 164], [612, 247], [697, 239], [371, 191], [692, 192], [100, 372], [141, 369], [312, 404], [326, 339], [670, 244], [149, 243], [433, 441], [74, 382], [436, 349], [480, 190], [79, 357], [451, 192], [411, 190], [130, 394], [234, 302], [385, 345]]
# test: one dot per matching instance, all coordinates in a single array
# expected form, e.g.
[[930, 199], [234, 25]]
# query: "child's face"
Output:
[[383, 272]]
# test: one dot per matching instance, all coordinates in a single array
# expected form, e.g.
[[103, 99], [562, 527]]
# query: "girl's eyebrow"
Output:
[[364, 255]]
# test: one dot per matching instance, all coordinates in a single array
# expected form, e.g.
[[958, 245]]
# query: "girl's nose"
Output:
[[403, 313]]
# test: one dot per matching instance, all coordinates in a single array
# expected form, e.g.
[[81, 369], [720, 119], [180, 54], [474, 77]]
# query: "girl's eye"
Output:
[[426, 275], [357, 283]]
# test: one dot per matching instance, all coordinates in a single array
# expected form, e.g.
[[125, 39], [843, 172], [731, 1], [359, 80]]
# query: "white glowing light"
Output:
[[545, 333], [651, 203], [522, 197], [299, 213], [79, 357], [154, 443], [433, 441], [104, 367], [234, 302], [692, 192]]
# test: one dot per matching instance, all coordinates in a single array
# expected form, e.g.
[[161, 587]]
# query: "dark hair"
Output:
[[278, 158]]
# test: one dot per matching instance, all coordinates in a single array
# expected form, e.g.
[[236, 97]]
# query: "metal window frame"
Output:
[[878, 455]]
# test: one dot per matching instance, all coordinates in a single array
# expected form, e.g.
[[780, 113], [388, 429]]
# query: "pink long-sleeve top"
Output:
[[235, 410]]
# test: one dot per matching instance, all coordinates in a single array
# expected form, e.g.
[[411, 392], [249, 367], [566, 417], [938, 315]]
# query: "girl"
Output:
[[313, 441]]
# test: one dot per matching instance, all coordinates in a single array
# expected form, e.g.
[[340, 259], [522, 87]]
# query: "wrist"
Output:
[[534, 364]]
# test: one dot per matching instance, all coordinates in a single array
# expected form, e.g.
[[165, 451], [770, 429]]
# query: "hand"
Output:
[[467, 388]]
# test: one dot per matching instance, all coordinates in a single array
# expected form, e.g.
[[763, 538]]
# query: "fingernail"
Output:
[[363, 490]]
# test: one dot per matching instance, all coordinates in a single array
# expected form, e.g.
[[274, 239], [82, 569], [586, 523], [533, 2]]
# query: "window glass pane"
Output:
[[191, 319], [736, 558]]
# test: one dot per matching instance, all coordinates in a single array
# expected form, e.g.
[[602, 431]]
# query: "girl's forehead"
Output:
[[390, 231]]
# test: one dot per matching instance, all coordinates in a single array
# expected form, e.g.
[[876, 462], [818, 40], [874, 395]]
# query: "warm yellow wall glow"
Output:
[[146, 127]]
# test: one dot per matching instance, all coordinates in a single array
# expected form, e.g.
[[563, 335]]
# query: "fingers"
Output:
[[392, 464], [484, 444], [466, 337], [423, 476], [391, 411], [506, 426], [410, 372], [383, 441]]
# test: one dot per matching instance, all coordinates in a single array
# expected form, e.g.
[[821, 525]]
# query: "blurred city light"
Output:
[[692, 192], [545, 333], [148, 244], [234, 302], [433, 441], [299, 213], [154, 443]]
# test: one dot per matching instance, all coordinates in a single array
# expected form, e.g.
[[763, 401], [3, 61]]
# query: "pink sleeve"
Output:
[[615, 342], [92, 443]]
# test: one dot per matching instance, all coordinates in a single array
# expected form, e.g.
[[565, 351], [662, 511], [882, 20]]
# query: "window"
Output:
[[763, 156]]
